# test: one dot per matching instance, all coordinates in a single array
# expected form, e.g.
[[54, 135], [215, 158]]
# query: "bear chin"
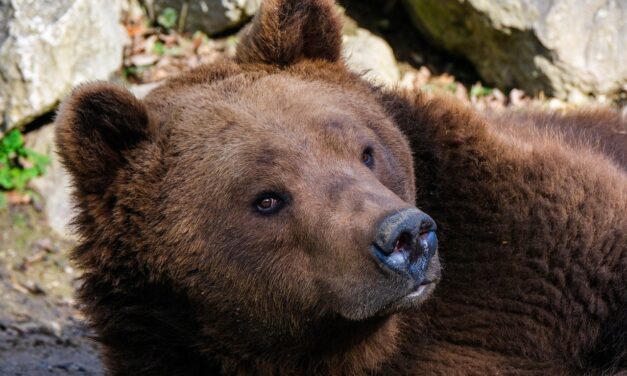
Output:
[[410, 302]]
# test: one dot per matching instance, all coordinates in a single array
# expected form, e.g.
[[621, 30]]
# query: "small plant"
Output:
[[129, 71], [479, 90], [18, 164], [451, 87], [159, 48], [167, 18]]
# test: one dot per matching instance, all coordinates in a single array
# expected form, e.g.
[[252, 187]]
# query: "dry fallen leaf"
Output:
[[18, 198], [143, 59]]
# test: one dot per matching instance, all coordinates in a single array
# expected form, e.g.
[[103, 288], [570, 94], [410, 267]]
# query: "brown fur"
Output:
[[540, 288], [180, 277], [589, 128]]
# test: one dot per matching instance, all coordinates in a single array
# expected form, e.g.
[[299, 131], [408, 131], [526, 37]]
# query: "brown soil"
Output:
[[41, 331]]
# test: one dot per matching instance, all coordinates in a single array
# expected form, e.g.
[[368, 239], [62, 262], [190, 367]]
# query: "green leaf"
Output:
[[129, 71], [167, 18], [6, 181], [480, 91], [12, 141], [29, 173], [158, 48], [15, 173], [21, 177], [39, 160]]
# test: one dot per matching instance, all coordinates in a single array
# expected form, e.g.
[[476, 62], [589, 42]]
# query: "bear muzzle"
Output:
[[405, 244]]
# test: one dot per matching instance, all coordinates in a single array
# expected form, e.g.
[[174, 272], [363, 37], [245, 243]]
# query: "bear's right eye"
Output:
[[367, 157], [269, 203]]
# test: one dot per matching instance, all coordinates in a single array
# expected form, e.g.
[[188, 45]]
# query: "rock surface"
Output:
[[54, 185], [564, 48], [209, 16], [141, 91], [49, 46], [369, 54]]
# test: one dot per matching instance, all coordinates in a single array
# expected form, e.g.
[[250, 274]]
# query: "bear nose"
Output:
[[406, 240]]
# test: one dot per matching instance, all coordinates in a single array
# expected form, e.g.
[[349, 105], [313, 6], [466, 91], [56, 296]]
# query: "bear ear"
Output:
[[98, 125], [286, 31]]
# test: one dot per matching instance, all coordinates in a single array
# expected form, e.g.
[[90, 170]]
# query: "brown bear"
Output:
[[260, 216]]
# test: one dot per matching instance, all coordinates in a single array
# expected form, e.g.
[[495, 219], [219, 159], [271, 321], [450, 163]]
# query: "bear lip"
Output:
[[425, 285], [412, 300]]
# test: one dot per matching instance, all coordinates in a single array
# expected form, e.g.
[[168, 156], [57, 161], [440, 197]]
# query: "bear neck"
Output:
[[153, 329], [334, 346]]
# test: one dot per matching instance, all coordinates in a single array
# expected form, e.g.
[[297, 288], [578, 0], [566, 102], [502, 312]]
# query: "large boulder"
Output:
[[370, 55], [209, 16], [49, 46], [561, 47], [54, 185]]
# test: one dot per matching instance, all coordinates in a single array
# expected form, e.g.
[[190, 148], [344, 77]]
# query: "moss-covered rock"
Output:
[[559, 47]]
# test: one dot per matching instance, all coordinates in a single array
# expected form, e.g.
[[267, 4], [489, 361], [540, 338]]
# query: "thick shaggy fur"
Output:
[[180, 277], [533, 244], [588, 128]]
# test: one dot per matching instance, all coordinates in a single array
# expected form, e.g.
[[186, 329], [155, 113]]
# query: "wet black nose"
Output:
[[406, 241]]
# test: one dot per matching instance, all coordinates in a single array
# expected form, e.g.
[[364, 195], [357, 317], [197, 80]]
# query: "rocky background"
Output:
[[493, 55]]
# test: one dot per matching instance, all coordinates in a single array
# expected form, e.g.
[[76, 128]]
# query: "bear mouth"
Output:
[[423, 289], [411, 300], [421, 278], [421, 293]]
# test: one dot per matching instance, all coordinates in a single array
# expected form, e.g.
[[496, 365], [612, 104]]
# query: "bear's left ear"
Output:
[[287, 31], [99, 126]]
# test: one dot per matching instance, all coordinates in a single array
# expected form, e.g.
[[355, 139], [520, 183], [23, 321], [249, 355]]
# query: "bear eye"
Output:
[[367, 158], [269, 203]]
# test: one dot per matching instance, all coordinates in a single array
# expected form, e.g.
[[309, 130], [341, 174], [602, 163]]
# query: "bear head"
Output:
[[252, 207]]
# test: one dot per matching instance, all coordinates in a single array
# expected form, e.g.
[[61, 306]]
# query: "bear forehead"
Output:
[[239, 117]]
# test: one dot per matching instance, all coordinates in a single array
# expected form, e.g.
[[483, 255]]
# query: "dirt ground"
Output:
[[41, 330]]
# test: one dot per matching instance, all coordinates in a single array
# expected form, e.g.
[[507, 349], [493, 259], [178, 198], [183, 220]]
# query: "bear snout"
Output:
[[405, 242]]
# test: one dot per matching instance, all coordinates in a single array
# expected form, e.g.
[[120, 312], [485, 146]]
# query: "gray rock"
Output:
[[141, 91], [371, 56], [49, 46], [209, 16], [54, 185], [559, 47]]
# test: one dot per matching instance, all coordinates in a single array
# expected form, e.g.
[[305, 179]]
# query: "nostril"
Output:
[[403, 242], [426, 227], [408, 234]]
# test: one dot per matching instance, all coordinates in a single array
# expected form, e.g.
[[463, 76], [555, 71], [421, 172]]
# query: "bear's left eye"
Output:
[[269, 203], [367, 157]]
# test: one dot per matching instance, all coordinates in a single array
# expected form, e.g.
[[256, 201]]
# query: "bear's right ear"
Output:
[[286, 31], [98, 125]]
